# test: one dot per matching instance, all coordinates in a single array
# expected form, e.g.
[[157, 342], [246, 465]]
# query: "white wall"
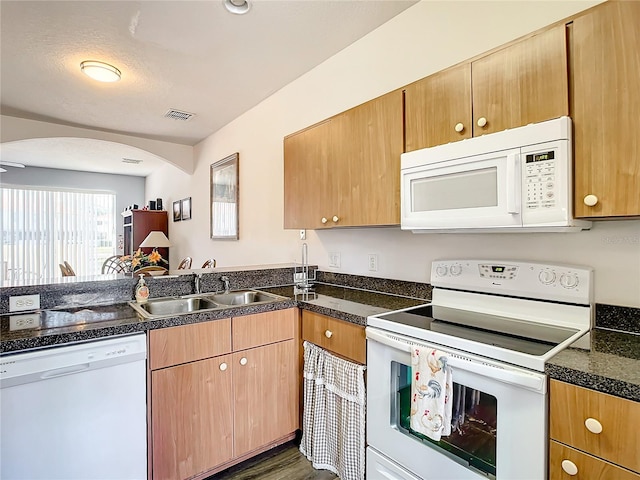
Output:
[[424, 39]]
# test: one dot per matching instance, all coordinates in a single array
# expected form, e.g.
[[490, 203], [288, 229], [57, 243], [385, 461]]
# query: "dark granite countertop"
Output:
[[602, 360], [82, 323]]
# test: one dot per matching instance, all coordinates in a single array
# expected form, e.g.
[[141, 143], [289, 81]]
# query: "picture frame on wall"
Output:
[[177, 210], [186, 208], [224, 198]]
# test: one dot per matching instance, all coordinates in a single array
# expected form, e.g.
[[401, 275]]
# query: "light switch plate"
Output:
[[303, 234], [20, 303], [334, 259]]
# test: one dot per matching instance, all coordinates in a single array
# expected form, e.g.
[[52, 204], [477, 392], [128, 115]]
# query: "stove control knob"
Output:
[[569, 280], [441, 270], [455, 270], [547, 277]]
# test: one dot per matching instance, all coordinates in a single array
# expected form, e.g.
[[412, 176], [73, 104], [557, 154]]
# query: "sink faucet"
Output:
[[196, 283], [224, 279]]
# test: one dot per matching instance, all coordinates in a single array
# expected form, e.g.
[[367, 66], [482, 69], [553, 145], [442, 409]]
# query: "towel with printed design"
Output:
[[431, 392]]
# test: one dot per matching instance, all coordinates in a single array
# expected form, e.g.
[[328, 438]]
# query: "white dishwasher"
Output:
[[75, 412]]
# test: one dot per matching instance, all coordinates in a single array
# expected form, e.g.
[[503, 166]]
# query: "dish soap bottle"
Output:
[[142, 291]]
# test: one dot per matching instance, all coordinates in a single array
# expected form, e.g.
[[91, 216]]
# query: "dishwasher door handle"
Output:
[[60, 372]]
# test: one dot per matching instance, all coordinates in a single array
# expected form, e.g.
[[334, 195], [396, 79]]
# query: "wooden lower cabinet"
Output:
[[587, 467], [192, 418], [210, 413], [265, 395], [345, 339]]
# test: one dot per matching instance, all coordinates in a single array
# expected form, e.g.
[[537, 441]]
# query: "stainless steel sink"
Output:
[[173, 306], [243, 297]]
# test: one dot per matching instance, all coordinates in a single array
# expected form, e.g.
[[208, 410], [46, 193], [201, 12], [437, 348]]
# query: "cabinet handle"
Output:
[[459, 127], [335, 219], [328, 333], [569, 467], [223, 366], [243, 361], [593, 425], [482, 122], [324, 220], [590, 200]]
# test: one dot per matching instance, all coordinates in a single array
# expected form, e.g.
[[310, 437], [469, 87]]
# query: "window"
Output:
[[42, 228]]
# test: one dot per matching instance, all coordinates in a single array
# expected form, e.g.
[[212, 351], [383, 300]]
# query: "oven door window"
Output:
[[473, 421]]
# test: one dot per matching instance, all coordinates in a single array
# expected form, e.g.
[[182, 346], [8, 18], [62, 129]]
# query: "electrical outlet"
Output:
[[303, 234], [373, 262], [334, 259], [19, 322], [24, 302]]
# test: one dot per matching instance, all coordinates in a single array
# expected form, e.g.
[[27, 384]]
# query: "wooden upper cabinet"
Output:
[[435, 105], [346, 171], [605, 67], [306, 166], [523, 83], [368, 163], [526, 82]]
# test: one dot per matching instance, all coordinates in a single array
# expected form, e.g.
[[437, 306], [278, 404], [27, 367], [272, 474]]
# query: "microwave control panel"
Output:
[[540, 179]]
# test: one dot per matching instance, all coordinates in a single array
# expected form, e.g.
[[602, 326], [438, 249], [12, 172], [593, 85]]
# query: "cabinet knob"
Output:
[[223, 366], [482, 122], [335, 219], [243, 361], [569, 467], [328, 334], [593, 425], [324, 220], [459, 127], [590, 200]]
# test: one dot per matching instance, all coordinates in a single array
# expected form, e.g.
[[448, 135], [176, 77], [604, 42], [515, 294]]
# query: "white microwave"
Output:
[[516, 180]]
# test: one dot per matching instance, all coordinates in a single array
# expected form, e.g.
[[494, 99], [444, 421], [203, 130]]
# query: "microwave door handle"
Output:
[[513, 180]]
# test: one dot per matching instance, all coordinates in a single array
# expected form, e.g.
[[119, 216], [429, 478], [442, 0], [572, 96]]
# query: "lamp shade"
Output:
[[156, 239]]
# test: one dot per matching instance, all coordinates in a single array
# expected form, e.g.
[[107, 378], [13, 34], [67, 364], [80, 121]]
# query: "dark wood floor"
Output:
[[283, 462]]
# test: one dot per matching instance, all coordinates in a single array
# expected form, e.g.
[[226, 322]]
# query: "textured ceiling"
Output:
[[185, 55]]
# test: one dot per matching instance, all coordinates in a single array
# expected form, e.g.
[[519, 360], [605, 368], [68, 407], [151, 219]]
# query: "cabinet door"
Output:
[[368, 145], [521, 84], [338, 336], [191, 418], [265, 395], [605, 71], [307, 176], [435, 105], [588, 467], [618, 441]]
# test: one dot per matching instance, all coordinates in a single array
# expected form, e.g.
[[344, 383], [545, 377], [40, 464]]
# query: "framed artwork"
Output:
[[177, 210], [224, 183], [186, 208]]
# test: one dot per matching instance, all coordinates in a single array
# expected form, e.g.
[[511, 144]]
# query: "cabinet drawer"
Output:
[[589, 468], [338, 336], [188, 343], [263, 328], [571, 406]]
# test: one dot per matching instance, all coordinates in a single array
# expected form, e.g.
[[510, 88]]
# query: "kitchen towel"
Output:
[[431, 388], [333, 422]]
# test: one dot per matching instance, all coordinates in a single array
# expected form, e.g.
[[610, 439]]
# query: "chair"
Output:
[[151, 270], [211, 263], [66, 269], [185, 263], [114, 264]]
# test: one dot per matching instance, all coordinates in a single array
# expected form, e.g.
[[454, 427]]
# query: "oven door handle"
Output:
[[532, 381]]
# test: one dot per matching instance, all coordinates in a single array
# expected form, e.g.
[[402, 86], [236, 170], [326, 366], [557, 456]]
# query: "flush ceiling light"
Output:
[[239, 7], [102, 72]]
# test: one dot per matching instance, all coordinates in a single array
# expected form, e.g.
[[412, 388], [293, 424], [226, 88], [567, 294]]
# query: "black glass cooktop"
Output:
[[508, 333]]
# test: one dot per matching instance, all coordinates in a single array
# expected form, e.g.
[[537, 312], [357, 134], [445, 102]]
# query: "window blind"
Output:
[[42, 228]]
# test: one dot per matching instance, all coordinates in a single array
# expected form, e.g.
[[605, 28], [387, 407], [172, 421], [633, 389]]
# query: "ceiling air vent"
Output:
[[135, 161], [178, 115]]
